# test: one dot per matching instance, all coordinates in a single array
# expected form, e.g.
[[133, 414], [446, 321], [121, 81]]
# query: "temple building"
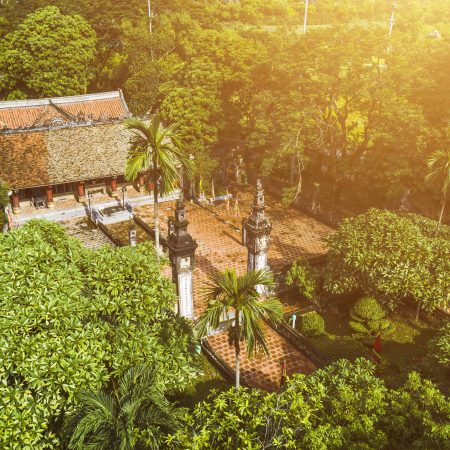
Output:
[[63, 145]]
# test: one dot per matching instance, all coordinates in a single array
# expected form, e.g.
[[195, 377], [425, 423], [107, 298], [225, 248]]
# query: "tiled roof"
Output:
[[63, 155], [62, 111]]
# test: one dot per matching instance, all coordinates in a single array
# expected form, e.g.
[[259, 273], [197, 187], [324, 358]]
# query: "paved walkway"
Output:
[[261, 371], [218, 233], [87, 232]]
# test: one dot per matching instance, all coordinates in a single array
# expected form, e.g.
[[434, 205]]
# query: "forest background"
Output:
[[344, 106]]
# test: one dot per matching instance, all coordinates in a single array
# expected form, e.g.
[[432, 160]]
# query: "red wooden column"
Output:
[[15, 203], [50, 202], [141, 182], [113, 186], [81, 192]]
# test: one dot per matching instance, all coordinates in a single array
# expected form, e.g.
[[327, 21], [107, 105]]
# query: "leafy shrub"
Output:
[[391, 257], [368, 318], [312, 324], [307, 279], [440, 347]]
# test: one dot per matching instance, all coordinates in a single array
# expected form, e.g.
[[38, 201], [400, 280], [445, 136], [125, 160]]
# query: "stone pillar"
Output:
[[132, 235], [113, 186], [182, 256], [15, 202], [141, 182], [257, 234], [50, 202], [81, 192]]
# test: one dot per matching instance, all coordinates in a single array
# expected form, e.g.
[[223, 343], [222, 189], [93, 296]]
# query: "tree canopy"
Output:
[[332, 107], [342, 406], [73, 319], [48, 55], [391, 257]]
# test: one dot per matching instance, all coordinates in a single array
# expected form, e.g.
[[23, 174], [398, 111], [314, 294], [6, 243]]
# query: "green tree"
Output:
[[440, 346], [49, 54], [227, 293], [369, 319], [439, 171], [307, 279], [390, 257], [158, 150], [418, 415], [341, 406], [71, 320], [135, 413]]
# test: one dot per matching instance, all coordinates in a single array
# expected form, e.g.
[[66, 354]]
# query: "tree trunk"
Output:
[[441, 215], [419, 304], [156, 219], [292, 171], [238, 369], [237, 348]]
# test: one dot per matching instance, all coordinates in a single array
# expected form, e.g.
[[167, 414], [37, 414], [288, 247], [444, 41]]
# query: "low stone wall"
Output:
[[213, 357], [301, 343]]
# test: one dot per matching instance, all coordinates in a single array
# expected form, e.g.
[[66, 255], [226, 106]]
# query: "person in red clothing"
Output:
[[377, 348]]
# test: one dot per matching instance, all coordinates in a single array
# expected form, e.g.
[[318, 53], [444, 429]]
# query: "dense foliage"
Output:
[[369, 319], [307, 279], [332, 106], [391, 257], [311, 324], [74, 319], [48, 55], [342, 406], [440, 347], [133, 413]]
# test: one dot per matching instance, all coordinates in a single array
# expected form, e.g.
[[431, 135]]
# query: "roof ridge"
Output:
[[61, 100]]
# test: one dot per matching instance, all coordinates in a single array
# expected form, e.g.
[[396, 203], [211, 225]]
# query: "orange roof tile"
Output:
[[61, 111]]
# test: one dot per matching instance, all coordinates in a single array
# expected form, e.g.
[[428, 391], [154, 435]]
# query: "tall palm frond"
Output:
[[157, 150], [118, 419], [439, 171], [226, 293]]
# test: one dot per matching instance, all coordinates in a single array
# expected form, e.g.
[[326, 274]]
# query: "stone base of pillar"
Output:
[[113, 193], [16, 209], [51, 205], [141, 189], [81, 199]]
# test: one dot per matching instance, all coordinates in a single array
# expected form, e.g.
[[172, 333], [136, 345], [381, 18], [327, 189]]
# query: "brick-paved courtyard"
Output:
[[86, 231], [261, 371], [218, 233]]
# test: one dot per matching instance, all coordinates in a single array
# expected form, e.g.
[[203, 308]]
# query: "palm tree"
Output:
[[135, 415], [439, 171], [157, 149], [227, 292]]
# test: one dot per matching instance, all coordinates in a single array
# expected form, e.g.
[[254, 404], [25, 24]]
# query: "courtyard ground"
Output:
[[218, 233]]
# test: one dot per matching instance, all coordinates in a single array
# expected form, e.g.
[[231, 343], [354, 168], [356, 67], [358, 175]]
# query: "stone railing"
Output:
[[218, 362], [301, 343]]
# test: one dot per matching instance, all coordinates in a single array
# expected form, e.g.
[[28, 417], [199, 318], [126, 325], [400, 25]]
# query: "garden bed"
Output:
[[405, 350]]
